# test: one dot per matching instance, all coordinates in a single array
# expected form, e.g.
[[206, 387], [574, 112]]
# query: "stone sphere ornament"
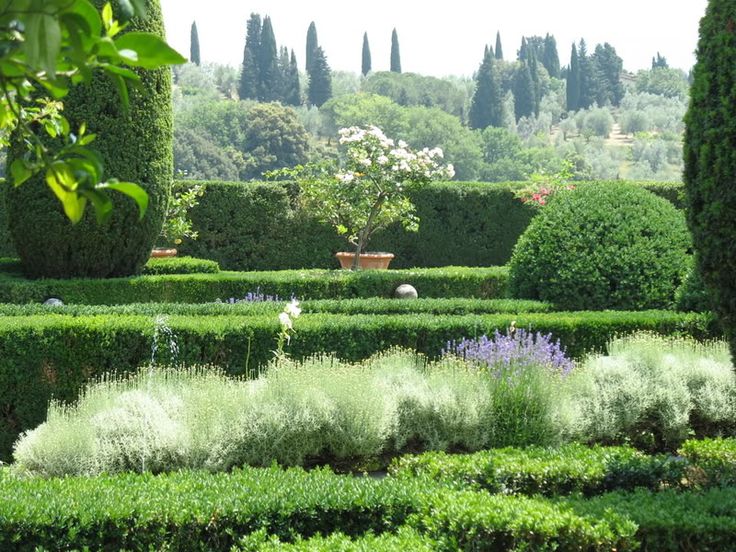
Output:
[[405, 291]]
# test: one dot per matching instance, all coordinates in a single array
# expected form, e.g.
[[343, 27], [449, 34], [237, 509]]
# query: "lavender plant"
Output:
[[252, 297], [517, 349]]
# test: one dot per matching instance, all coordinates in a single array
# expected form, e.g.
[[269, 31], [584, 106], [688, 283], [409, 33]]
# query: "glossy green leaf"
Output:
[[151, 51], [132, 190], [20, 172], [102, 204], [122, 89], [43, 41], [107, 17]]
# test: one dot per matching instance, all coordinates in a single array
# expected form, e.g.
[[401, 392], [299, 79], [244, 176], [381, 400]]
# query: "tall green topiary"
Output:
[[710, 159], [602, 246], [135, 147]]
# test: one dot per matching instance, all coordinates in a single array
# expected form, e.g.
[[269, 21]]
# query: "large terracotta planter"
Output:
[[159, 252], [367, 260]]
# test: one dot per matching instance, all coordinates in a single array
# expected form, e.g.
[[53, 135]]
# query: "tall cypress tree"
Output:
[[607, 67], [550, 58], [268, 65], [710, 160], [320, 80], [524, 95], [587, 82], [524, 50], [250, 74], [499, 49], [573, 81], [283, 74], [366, 61], [534, 72], [312, 45], [194, 45], [486, 108], [395, 55], [292, 94]]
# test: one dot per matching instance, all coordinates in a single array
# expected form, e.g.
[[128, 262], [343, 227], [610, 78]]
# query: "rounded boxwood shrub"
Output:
[[602, 246], [135, 147]]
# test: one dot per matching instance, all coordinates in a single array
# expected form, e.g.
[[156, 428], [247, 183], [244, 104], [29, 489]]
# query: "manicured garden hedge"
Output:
[[486, 283], [201, 511], [576, 468], [258, 226], [54, 355], [180, 265], [371, 305]]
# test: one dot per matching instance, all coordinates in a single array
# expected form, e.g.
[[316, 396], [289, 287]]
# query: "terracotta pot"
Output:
[[159, 252], [367, 261]]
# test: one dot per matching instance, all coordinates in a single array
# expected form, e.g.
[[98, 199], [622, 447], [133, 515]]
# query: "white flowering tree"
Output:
[[369, 191]]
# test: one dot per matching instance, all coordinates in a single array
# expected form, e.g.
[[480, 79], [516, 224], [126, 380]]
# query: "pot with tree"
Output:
[[368, 190], [177, 225]]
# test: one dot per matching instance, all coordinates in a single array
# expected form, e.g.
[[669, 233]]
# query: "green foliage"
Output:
[[365, 66], [587, 77], [524, 92], [306, 284], [663, 81], [197, 510], [710, 160], [713, 460], [549, 58], [194, 55], [135, 146], [654, 392], [573, 81], [499, 48], [256, 137], [180, 265], [312, 45], [395, 53], [554, 471], [607, 67], [177, 225], [602, 246], [320, 80], [250, 73], [487, 106], [411, 89], [198, 157], [404, 539], [692, 296], [48, 47]]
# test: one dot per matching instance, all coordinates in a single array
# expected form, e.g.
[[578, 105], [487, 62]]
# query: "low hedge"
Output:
[[486, 283], [195, 510], [565, 470], [180, 265], [402, 541], [371, 305], [715, 460], [54, 355]]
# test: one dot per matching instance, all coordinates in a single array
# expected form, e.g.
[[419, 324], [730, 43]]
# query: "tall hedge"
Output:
[[135, 147], [710, 158]]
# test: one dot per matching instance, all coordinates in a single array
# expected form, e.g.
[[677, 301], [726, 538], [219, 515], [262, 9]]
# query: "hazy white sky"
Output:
[[442, 38]]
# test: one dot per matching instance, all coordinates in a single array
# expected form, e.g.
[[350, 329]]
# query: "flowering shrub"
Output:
[[543, 186], [517, 349], [368, 191], [291, 311]]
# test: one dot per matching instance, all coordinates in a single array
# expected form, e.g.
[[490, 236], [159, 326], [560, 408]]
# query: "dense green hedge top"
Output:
[[485, 283], [459, 306]]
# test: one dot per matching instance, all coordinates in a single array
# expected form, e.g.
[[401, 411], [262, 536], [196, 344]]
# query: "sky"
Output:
[[441, 38]]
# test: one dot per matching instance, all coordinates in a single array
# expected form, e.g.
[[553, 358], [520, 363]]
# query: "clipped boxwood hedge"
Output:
[[180, 265], [259, 226], [51, 355], [487, 283]]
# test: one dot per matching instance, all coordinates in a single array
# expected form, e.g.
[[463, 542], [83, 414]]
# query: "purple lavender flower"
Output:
[[518, 349]]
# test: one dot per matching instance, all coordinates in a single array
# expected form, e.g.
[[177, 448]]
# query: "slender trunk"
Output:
[[366, 232]]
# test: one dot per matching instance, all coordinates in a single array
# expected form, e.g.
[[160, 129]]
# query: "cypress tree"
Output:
[[524, 96], [710, 160], [524, 50], [194, 45], [312, 45], [499, 49], [135, 146], [283, 73], [292, 95], [587, 83], [486, 108], [660, 62], [550, 59], [573, 81], [250, 75], [366, 62], [268, 64], [395, 55], [534, 73], [320, 80], [607, 67]]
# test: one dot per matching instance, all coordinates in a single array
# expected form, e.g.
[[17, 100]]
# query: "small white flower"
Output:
[[382, 160], [293, 309], [345, 178], [402, 144], [285, 321], [366, 162]]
